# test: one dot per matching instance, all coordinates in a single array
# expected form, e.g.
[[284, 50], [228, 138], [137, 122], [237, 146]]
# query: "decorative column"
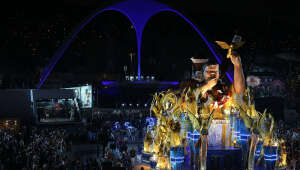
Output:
[[177, 157], [270, 156], [252, 150], [203, 149], [194, 148]]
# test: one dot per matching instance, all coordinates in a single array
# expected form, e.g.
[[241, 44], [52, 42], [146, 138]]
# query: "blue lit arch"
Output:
[[138, 12]]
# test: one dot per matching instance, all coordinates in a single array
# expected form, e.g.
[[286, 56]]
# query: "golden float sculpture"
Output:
[[169, 106]]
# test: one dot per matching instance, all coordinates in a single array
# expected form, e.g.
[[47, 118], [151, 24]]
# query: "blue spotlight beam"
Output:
[[138, 12]]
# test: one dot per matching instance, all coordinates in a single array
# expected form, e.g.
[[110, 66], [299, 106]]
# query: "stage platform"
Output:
[[220, 158], [224, 158]]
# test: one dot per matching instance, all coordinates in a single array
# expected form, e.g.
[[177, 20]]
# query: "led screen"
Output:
[[83, 95]]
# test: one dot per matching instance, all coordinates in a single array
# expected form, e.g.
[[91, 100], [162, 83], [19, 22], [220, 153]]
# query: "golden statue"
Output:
[[261, 126], [235, 44]]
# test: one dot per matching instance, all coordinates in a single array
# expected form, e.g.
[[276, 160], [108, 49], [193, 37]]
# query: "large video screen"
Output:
[[83, 95], [57, 110]]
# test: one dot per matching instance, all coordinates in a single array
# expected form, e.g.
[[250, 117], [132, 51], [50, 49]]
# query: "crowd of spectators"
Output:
[[47, 149], [116, 155], [120, 143], [51, 148], [136, 117], [291, 135], [268, 90], [116, 126], [44, 148]]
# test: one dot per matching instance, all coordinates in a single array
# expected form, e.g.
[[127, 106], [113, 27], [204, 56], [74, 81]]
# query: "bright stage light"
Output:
[[131, 78], [227, 111]]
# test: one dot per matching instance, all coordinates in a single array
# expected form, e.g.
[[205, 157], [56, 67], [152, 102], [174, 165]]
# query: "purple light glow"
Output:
[[230, 77], [161, 82], [138, 12], [106, 83], [169, 82]]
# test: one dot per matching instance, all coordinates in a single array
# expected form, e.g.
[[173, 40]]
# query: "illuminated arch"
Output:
[[138, 12], [59, 53]]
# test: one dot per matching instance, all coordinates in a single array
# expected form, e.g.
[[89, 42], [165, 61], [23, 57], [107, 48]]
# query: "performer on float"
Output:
[[213, 89], [213, 94], [192, 134]]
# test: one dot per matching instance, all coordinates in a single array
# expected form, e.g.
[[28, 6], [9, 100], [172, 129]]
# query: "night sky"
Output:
[[168, 41]]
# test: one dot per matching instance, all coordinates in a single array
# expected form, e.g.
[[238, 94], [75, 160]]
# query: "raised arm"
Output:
[[208, 86], [239, 79]]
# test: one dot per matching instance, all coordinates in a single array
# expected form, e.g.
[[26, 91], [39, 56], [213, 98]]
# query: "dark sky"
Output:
[[282, 14], [195, 7], [216, 19]]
